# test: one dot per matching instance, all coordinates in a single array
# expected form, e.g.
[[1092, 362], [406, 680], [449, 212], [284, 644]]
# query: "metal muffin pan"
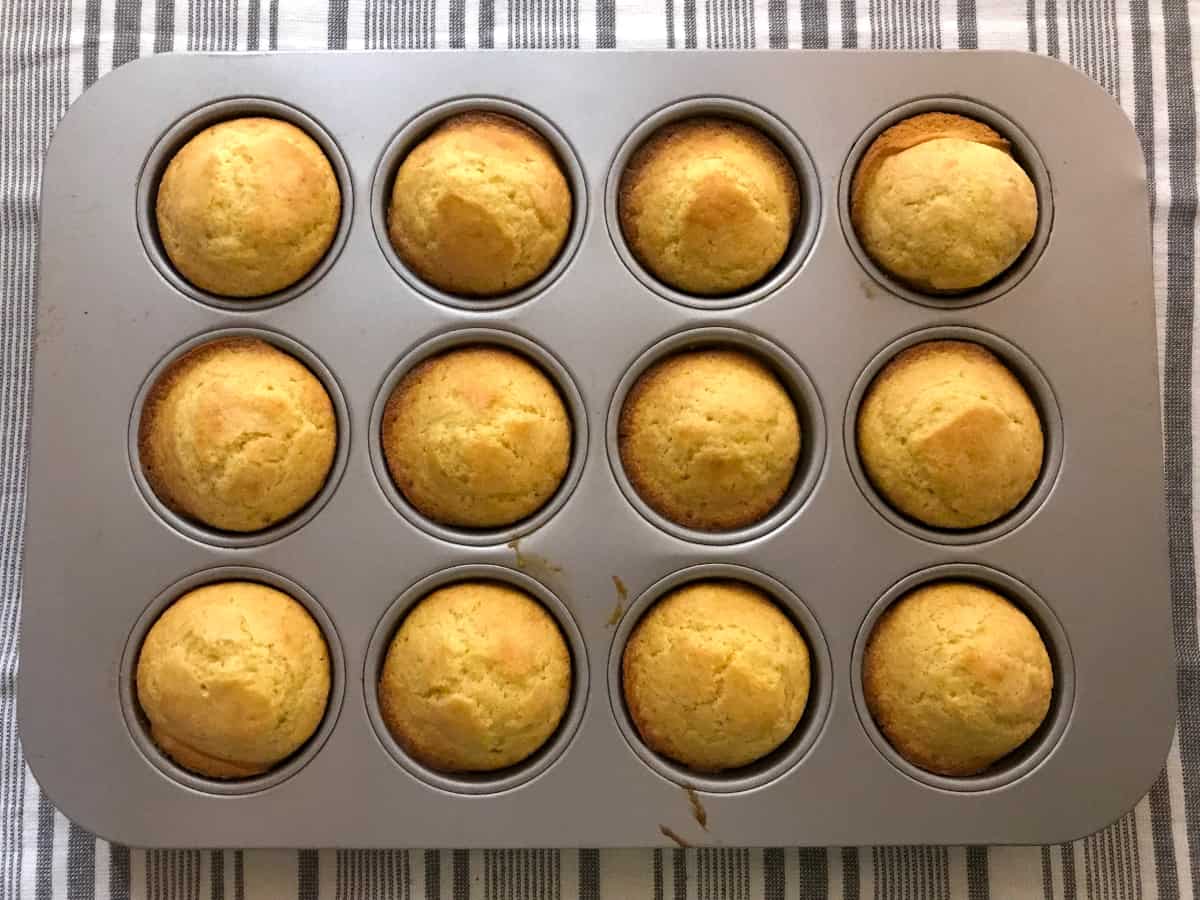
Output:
[[1085, 555]]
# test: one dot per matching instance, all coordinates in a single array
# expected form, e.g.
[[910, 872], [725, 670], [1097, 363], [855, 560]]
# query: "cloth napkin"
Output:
[[1141, 51]]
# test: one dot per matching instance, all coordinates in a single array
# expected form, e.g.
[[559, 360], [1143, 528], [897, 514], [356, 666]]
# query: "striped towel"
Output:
[[1141, 52]]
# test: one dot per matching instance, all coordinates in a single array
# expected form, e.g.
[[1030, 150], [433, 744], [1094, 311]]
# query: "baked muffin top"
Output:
[[480, 207], [939, 202], [710, 439], [956, 677], [476, 437], [476, 679], [708, 205], [247, 207], [237, 435], [233, 677], [715, 676], [949, 436]]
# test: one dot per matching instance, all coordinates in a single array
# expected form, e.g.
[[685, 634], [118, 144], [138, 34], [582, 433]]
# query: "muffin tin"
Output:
[[1085, 555]]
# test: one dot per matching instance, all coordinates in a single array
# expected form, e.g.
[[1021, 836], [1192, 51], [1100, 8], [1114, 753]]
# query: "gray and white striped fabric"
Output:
[[1140, 50]]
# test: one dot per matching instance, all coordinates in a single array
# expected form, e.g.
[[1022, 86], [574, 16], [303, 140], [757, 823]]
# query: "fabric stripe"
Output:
[[487, 23], [1164, 846], [968, 26], [461, 862], [91, 43], [216, 875], [45, 849], [1069, 890], [1177, 403], [977, 873], [850, 873], [774, 875], [606, 24], [308, 875], [81, 864], [118, 873], [127, 26], [433, 875], [339, 21], [814, 24], [589, 875], [814, 872]]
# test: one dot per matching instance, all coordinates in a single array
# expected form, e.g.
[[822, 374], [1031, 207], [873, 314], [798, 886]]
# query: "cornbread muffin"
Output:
[[476, 679], [248, 207], [956, 677], [233, 678], [476, 437], [715, 676], [939, 202], [708, 205], [480, 207], [237, 435], [710, 439], [949, 436]]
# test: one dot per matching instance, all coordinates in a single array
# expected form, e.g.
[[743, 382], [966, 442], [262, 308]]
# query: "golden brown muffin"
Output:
[[234, 678], [939, 202], [708, 205], [476, 437], [715, 676], [237, 435], [949, 436], [956, 677], [710, 439], [248, 207], [480, 207], [476, 679]]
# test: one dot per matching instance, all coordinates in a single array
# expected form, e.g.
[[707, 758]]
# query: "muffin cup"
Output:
[[1024, 152], [808, 409], [187, 128], [1040, 392], [233, 539], [807, 225], [541, 759], [1042, 742], [419, 128], [139, 726], [802, 739], [550, 366]]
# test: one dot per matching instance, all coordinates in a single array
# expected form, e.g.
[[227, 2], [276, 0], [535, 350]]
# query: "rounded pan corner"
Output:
[[1150, 767], [1086, 88], [97, 93], [45, 778]]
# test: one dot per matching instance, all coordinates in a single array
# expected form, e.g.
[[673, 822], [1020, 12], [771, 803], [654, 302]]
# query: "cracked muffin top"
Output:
[[956, 677], [949, 436], [476, 437], [715, 676], [708, 205], [480, 207], [248, 207], [710, 439], [939, 202], [237, 435], [233, 677], [476, 679]]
